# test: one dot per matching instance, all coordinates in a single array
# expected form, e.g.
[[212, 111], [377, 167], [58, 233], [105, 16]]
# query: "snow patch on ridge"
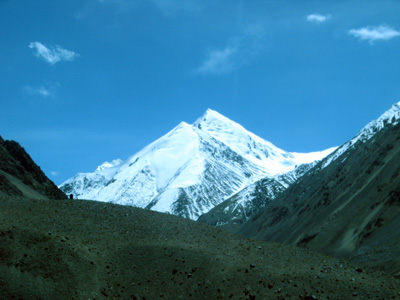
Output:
[[306, 158]]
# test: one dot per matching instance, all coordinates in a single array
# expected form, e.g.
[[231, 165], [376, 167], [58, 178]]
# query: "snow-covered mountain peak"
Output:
[[213, 117], [242, 141], [218, 126], [189, 170]]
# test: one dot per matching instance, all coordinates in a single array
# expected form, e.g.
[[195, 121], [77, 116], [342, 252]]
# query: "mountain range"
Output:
[[346, 205], [343, 201], [193, 168], [257, 195]]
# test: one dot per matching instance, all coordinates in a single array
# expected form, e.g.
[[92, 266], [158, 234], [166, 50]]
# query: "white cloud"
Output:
[[318, 18], [40, 91], [218, 61], [373, 33], [47, 90], [55, 173], [51, 54]]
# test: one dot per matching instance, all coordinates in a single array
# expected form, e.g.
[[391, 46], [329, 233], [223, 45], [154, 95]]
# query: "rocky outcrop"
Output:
[[16, 165]]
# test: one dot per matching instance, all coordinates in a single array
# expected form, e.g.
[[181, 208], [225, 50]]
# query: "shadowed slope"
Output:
[[19, 175], [91, 250], [351, 208]]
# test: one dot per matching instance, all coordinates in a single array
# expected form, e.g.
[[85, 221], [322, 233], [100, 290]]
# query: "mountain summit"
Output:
[[189, 170]]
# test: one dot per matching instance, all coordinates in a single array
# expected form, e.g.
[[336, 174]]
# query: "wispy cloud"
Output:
[[51, 54], [55, 173], [47, 90], [240, 51], [375, 33], [218, 61], [318, 18]]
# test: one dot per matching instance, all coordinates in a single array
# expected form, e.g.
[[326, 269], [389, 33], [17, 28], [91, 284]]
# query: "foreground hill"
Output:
[[20, 176], [348, 205], [92, 250]]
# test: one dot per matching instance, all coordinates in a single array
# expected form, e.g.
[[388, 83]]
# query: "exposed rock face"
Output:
[[252, 200], [18, 170]]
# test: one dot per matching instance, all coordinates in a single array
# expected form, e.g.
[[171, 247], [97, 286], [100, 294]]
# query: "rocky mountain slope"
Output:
[[250, 201], [189, 170], [20, 176], [92, 250], [348, 205]]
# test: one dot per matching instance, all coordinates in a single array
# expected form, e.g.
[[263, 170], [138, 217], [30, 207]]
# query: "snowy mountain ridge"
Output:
[[189, 170], [252, 147], [391, 116], [250, 201]]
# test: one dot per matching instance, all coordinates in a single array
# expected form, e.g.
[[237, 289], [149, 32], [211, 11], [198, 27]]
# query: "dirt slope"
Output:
[[90, 250]]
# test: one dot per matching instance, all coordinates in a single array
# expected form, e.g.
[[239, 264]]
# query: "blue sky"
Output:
[[87, 81]]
